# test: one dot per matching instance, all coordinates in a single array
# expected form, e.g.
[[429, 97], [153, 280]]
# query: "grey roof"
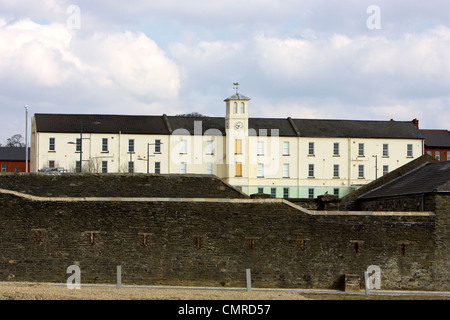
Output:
[[287, 127], [13, 154], [426, 178], [436, 138], [237, 96]]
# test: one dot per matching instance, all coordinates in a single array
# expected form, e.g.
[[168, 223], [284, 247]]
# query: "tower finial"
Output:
[[236, 86]]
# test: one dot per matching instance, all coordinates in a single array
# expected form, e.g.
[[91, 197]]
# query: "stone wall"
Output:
[[210, 242]]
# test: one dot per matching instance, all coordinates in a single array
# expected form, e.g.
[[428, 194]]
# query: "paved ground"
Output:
[[39, 291]]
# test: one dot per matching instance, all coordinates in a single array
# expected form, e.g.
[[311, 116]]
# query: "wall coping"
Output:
[[214, 200]]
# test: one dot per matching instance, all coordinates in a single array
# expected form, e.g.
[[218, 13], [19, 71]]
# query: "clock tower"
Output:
[[236, 127]]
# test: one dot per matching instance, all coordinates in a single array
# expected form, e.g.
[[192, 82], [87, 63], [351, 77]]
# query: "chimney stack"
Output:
[[416, 123]]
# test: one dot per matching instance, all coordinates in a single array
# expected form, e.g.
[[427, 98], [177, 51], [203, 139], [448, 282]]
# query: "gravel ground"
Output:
[[50, 292]]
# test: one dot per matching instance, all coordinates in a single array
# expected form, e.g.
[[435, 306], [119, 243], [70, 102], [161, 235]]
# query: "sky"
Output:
[[322, 59]]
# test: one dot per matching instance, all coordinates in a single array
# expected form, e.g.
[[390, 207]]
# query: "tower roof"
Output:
[[237, 96]]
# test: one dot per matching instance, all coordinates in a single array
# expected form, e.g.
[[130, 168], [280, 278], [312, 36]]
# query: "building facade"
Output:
[[13, 159], [286, 158]]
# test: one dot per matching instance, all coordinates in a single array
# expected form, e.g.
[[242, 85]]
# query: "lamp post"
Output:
[[26, 138], [376, 166], [81, 142], [148, 154]]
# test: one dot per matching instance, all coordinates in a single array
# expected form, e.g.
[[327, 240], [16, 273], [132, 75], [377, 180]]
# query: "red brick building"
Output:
[[437, 142], [13, 159]]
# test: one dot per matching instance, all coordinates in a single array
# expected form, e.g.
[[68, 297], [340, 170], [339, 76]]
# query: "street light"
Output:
[[81, 141], [376, 166], [26, 138]]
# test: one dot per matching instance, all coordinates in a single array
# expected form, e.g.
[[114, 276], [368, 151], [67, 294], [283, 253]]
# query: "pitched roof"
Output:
[[436, 138], [427, 178], [286, 127], [13, 154]]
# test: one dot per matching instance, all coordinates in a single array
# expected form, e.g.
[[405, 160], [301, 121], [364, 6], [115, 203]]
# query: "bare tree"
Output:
[[15, 141]]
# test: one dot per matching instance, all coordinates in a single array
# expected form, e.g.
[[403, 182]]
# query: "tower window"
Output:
[[235, 107], [242, 107]]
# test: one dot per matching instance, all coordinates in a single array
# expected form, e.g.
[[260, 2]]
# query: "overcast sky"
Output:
[[342, 59]]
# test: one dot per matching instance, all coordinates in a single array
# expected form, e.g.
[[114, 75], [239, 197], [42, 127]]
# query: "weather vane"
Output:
[[236, 86]]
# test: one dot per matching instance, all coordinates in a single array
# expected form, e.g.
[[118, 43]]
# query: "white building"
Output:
[[295, 158]]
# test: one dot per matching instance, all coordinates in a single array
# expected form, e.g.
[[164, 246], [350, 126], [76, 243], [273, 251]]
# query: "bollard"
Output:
[[119, 277], [249, 280]]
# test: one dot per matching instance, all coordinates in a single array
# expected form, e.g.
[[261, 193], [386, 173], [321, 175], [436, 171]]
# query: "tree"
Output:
[[192, 114], [15, 141]]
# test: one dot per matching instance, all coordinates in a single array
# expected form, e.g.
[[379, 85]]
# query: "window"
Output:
[[286, 170], [273, 192], [157, 167], [385, 169], [409, 150], [311, 149], [78, 145], [310, 171], [260, 173], [105, 145], [51, 144], [77, 166], [131, 145], [157, 146], [260, 190], [209, 168], [130, 166], [438, 155], [260, 148], [198, 242], [310, 193], [209, 147], [238, 169], [336, 192], [285, 148], [336, 171], [104, 166], [144, 239], [183, 146], [430, 153], [242, 107], [235, 107], [51, 163], [361, 171], [238, 146], [92, 237], [3, 167], [361, 150], [336, 149], [448, 155], [385, 150], [183, 167], [285, 192]]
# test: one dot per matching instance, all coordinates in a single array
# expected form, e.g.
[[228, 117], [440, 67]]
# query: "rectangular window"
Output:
[[260, 190], [77, 166], [183, 167], [409, 150], [157, 146], [209, 147], [105, 145], [285, 148], [273, 192], [238, 169], [361, 150], [157, 167], [336, 149], [310, 171], [286, 170], [311, 149], [104, 166], [285, 192], [336, 171], [336, 192], [51, 144], [361, 171], [78, 145], [130, 145], [234, 107], [183, 146], [438, 155], [260, 173], [51, 163], [385, 150], [130, 166], [238, 146], [310, 193], [209, 168], [260, 148], [385, 169], [3, 167]]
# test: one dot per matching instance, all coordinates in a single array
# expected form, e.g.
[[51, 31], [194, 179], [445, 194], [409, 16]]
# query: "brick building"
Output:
[[13, 159], [437, 143]]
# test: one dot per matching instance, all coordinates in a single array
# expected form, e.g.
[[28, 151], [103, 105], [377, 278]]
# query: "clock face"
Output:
[[238, 125]]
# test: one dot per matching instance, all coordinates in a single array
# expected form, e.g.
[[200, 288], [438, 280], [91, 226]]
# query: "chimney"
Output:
[[416, 123]]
